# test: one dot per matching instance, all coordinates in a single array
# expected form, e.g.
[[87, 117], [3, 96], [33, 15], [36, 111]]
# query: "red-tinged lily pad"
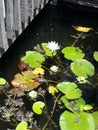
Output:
[[25, 80]]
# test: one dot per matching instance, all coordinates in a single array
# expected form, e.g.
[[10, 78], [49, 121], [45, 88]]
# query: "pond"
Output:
[[50, 26]]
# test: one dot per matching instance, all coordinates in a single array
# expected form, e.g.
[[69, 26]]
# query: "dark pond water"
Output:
[[50, 25]]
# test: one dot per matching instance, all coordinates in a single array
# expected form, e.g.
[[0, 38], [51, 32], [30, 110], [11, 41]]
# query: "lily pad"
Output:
[[95, 55], [72, 121], [37, 107], [70, 90], [22, 126], [34, 59], [82, 68], [25, 80], [72, 53], [2, 81]]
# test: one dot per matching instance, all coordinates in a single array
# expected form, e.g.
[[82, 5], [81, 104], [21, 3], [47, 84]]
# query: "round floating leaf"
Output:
[[82, 68], [66, 87], [72, 53], [95, 55], [25, 80], [22, 126], [47, 51], [2, 81], [95, 116], [33, 59], [75, 94], [72, 121], [70, 90], [37, 107]]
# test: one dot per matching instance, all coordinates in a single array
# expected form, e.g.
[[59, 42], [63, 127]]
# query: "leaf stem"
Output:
[[49, 119], [80, 35]]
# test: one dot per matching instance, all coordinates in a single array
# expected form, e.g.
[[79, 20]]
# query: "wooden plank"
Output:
[[10, 28], [3, 39], [31, 9], [17, 16], [24, 12], [42, 3]]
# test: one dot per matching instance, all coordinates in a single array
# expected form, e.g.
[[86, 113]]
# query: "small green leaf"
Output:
[[47, 51], [72, 53], [22, 126], [2, 81], [87, 107], [34, 59], [74, 121], [95, 55], [82, 68], [37, 107]]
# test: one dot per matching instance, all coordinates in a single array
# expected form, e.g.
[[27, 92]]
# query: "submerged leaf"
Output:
[[82, 68], [17, 92], [95, 55], [38, 106], [25, 80], [34, 59], [72, 53], [82, 29]]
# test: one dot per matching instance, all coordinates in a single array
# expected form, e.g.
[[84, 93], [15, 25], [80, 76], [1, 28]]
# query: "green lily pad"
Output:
[[37, 107], [82, 68], [22, 126], [2, 81], [34, 59], [95, 55], [75, 94], [66, 87], [72, 53], [95, 116], [72, 121], [70, 90]]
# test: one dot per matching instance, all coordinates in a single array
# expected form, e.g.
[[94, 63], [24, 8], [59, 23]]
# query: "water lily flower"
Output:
[[52, 90], [33, 94], [53, 46], [81, 80], [54, 68]]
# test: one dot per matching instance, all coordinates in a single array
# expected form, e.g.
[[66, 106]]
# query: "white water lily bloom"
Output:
[[53, 46], [54, 68], [33, 94], [81, 80]]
